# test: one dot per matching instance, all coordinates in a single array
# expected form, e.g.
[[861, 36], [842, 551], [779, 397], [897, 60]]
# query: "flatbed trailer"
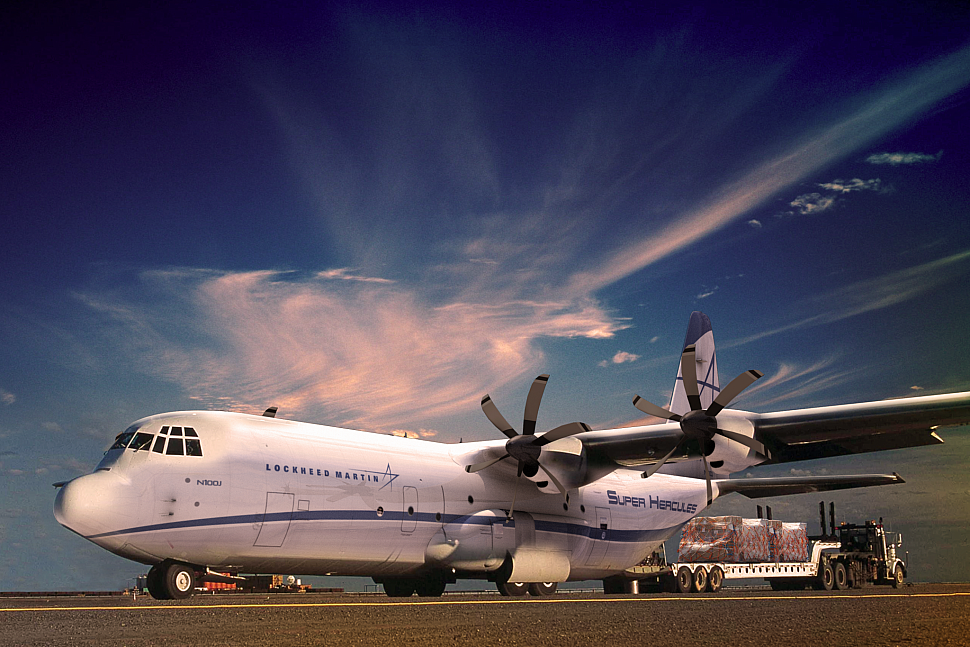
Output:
[[850, 556]]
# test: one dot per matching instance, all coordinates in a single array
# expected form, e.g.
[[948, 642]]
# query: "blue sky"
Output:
[[372, 214]]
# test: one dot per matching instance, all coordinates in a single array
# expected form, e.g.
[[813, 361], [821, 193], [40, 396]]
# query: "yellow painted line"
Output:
[[293, 605]]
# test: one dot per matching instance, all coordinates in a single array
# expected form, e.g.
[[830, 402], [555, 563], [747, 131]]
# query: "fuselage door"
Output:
[[276, 519], [600, 537], [410, 519]]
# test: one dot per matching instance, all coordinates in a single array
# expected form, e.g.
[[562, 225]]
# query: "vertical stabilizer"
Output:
[[701, 335]]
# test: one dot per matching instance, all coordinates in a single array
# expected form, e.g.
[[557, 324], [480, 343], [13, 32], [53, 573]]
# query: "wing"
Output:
[[802, 434], [757, 488], [859, 428]]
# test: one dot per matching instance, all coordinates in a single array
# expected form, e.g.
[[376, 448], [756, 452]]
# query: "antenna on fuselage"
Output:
[[271, 412]]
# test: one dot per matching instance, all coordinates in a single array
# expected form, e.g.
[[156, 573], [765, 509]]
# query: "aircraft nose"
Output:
[[83, 504]]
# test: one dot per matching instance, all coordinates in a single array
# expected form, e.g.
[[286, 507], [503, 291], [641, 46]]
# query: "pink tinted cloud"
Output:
[[366, 354]]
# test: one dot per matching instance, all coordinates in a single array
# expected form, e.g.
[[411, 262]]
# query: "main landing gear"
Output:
[[431, 585], [171, 581]]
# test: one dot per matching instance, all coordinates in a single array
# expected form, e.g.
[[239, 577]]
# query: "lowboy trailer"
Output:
[[850, 556]]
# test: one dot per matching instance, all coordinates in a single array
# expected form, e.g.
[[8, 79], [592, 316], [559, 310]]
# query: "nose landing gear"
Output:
[[171, 581]]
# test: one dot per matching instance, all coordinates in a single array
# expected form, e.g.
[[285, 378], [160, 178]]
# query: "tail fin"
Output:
[[701, 335]]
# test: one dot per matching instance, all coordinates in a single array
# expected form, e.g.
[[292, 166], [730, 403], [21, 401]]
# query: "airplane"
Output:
[[197, 494]]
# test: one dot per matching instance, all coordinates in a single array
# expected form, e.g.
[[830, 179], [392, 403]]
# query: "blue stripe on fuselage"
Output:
[[558, 527]]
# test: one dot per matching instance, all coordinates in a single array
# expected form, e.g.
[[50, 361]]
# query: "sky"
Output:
[[371, 214]]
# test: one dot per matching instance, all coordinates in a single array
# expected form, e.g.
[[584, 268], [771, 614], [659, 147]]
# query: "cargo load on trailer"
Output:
[[736, 540]]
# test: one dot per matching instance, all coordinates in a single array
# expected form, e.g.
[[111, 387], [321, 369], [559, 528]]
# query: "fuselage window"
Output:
[[193, 447], [176, 431], [122, 440], [174, 446], [159, 445], [141, 441]]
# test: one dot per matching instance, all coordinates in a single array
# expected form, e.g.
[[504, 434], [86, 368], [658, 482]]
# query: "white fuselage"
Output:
[[274, 496]]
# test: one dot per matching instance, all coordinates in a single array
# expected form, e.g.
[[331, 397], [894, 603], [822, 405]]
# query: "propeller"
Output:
[[527, 446], [698, 424]]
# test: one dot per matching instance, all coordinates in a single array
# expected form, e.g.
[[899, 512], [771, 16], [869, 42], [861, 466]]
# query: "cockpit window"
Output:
[[170, 441], [174, 446], [141, 441], [122, 440]]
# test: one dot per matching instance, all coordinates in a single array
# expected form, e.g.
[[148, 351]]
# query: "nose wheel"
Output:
[[171, 581]]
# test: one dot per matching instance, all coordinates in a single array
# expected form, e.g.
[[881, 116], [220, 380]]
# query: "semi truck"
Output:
[[848, 556]]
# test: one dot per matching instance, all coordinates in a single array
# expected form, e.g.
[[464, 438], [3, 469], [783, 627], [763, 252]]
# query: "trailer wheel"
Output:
[[898, 577], [700, 579], [841, 578], [685, 580], [715, 579], [827, 579]]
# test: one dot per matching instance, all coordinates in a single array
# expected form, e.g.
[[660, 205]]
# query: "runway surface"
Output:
[[915, 615]]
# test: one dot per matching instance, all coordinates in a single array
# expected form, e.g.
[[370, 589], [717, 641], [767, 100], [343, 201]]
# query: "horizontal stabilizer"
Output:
[[764, 487]]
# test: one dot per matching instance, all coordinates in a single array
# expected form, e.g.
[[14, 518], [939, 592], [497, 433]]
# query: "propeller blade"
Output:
[[651, 409], [496, 418], [733, 390], [747, 441], [471, 469], [688, 373], [656, 466], [555, 481], [532, 405], [568, 429], [707, 476]]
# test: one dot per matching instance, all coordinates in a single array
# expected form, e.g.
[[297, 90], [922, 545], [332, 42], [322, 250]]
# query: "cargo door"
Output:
[[276, 519], [409, 519], [600, 537]]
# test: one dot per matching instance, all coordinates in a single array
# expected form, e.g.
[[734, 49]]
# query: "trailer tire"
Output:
[[898, 577], [841, 577], [826, 579], [685, 580], [715, 579], [700, 580]]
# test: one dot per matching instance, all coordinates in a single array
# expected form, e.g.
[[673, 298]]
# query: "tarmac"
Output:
[[922, 614]]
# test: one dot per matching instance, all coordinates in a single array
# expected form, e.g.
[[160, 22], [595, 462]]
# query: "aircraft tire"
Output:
[[399, 587], [512, 589], [715, 579], [898, 577], [430, 586], [178, 580], [700, 580], [539, 589], [841, 578], [155, 588], [685, 580]]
